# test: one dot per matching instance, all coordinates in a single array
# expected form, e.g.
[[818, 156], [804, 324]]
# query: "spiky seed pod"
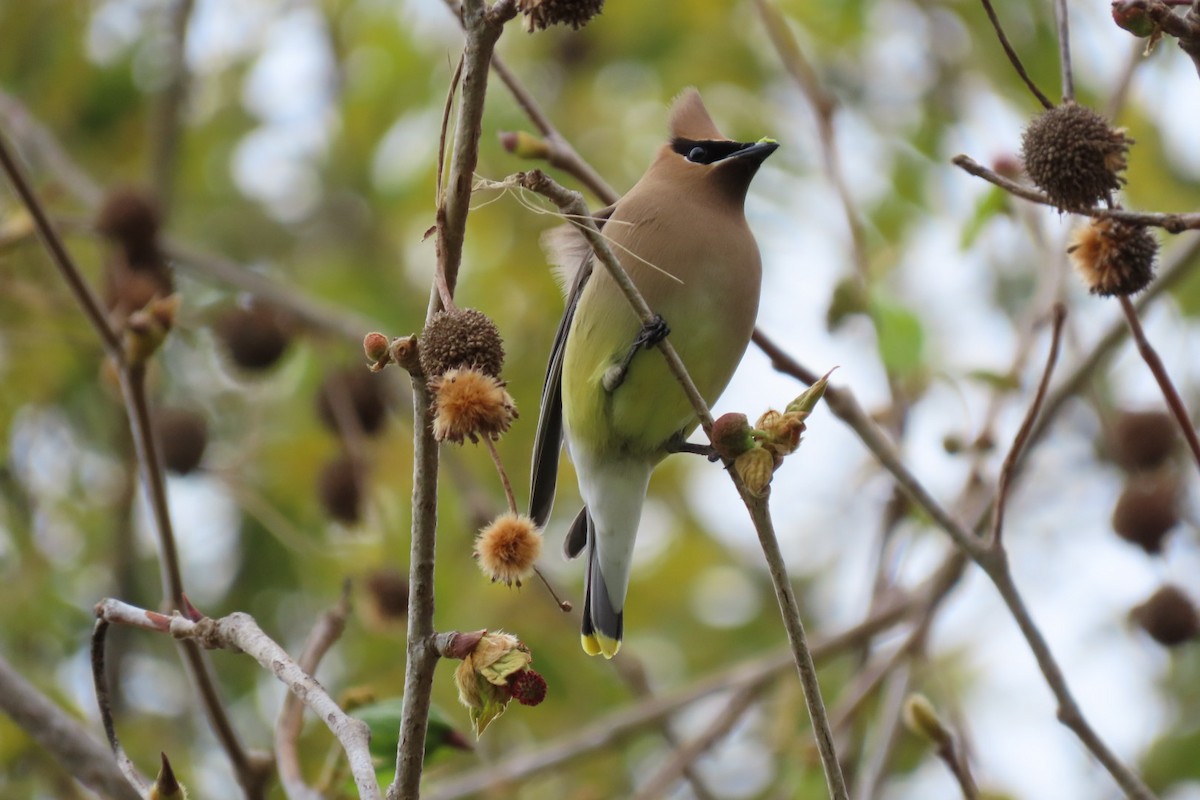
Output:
[[508, 547], [129, 216], [468, 404], [182, 435], [464, 337], [1169, 616], [1114, 258], [255, 337], [364, 393], [541, 14], [388, 590], [1147, 510], [528, 687], [340, 489], [1143, 440], [1073, 155]]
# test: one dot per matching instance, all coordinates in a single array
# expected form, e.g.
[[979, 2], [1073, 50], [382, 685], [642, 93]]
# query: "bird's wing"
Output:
[[574, 264]]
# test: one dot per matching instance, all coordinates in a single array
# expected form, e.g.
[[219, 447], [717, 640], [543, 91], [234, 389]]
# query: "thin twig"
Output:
[[1013, 58], [1150, 356], [1022, 437], [62, 259], [508, 490], [1064, 50], [1171, 223], [103, 703]]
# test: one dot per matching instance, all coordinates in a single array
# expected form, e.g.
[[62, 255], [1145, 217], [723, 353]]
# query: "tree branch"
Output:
[[63, 736], [240, 633]]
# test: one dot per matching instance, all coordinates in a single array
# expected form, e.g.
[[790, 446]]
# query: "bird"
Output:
[[681, 234]]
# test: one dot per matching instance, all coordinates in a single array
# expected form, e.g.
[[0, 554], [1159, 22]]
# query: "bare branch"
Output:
[[240, 633], [1023, 433], [1013, 58], [1171, 223]]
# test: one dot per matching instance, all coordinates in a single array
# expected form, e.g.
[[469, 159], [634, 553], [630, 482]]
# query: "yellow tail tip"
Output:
[[597, 644]]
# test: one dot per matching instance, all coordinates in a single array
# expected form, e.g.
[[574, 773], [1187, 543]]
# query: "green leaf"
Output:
[[901, 337], [993, 203]]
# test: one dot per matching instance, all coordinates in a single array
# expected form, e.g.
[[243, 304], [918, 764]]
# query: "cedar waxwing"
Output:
[[681, 233]]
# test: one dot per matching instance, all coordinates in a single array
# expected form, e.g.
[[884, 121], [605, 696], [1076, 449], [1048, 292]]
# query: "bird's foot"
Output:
[[652, 333], [705, 450]]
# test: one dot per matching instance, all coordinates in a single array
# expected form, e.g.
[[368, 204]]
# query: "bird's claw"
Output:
[[652, 333]]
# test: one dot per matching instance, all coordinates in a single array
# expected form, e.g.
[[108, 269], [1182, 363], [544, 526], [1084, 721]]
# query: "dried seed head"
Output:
[[255, 337], [1147, 510], [1143, 440], [463, 337], [182, 435], [468, 404], [1114, 258], [541, 14], [508, 547], [340, 489], [1073, 155], [359, 392], [1169, 616]]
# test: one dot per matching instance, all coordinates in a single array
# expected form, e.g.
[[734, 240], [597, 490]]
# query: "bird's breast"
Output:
[[700, 271]]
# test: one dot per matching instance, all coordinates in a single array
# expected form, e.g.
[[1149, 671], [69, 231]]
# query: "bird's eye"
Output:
[[696, 154]]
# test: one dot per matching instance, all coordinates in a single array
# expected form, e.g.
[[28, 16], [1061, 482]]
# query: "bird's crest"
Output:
[[690, 120]]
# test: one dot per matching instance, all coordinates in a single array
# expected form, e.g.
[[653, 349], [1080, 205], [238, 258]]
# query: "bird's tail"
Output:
[[603, 625]]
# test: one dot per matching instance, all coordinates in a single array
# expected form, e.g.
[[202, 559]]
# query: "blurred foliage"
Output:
[[343, 221]]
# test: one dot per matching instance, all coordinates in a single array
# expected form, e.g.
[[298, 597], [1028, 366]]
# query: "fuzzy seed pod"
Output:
[[340, 489], [1114, 258], [1147, 510], [1143, 440], [182, 436], [468, 404], [1072, 155], [254, 337], [363, 393], [1169, 616], [507, 548], [463, 337], [541, 14]]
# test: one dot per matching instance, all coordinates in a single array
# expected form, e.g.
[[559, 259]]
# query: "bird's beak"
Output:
[[756, 152]]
